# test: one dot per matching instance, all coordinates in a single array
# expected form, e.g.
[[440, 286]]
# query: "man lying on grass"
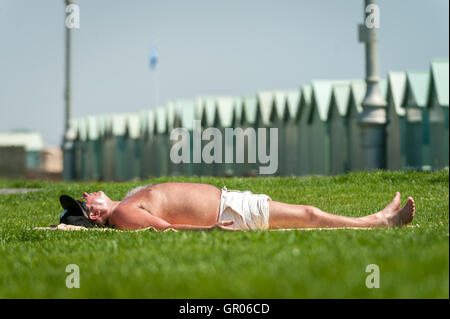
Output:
[[193, 206]]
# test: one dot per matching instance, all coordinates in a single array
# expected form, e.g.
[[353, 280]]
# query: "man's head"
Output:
[[92, 208], [99, 207]]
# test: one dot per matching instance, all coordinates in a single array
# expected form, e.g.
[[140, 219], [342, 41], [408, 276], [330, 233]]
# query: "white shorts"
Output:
[[248, 211]]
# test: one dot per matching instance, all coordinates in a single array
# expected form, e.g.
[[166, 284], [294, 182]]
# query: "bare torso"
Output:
[[178, 203]]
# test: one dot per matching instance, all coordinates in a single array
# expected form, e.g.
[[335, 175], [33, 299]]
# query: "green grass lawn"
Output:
[[413, 262]]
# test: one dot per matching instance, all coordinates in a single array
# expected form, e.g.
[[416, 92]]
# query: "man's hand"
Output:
[[223, 225]]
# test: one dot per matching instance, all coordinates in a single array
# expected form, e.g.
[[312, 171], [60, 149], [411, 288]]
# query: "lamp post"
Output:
[[372, 120], [68, 75]]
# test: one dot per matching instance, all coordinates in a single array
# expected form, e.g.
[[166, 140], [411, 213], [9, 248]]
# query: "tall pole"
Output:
[[372, 120], [68, 76], [68, 138]]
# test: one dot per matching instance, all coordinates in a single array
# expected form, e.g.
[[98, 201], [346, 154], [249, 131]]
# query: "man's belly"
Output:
[[187, 203]]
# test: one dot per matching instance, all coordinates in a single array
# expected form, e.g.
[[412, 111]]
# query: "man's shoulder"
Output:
[[120, 212]]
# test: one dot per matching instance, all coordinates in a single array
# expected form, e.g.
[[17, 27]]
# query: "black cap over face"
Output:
[[75, 212]]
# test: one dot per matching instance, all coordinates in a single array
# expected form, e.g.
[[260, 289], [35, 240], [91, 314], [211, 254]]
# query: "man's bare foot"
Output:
[[394, 216], [394, 205]]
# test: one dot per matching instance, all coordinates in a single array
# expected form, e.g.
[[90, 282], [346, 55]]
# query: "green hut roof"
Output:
[[108, 124], [160, 120], [440, 80], [143, 124], [417, 86], [396, 89], [237, 109], [92, 128], [341, 96], [292, 103], [322, 97], [147, 122], [173, 113], [199, 106], [133, 125], [118, 124], [322, 90], [205, 108], [187, 113], [101, 124], [358, 91], [249, 109], [280, 104], [265, 106], [306, 94], [209, 111], [225, 111], [305, 102], [81, 129]]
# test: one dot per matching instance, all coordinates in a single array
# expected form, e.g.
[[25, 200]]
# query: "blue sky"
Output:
[[205, 47]]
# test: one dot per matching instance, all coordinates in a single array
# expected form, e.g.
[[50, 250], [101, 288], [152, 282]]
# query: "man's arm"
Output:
[[221, 225], [136, 218], [130, 218]]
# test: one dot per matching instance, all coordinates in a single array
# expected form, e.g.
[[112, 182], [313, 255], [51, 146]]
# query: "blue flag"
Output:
[[153, 58]]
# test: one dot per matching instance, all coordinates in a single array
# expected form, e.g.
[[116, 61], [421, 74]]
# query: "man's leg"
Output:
[[301, 216]]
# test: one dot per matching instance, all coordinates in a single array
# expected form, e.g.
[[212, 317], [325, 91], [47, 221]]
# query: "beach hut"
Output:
[[80, 149], [92, 149], [438, 114], [209, 167], [161, 156], [147, 128], [225, 119], [249, 167], [173, 112], [237, 110], [107, 148], [395, 128], [237, 168], [197, 165], [69, 152], [102, 121], [291, 155], [187, 117], [266, 117], [133, 146], [414, 103], [279, 120], [117, 169], [303, 127], [338, 122], [319, 129], [357, 92]]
